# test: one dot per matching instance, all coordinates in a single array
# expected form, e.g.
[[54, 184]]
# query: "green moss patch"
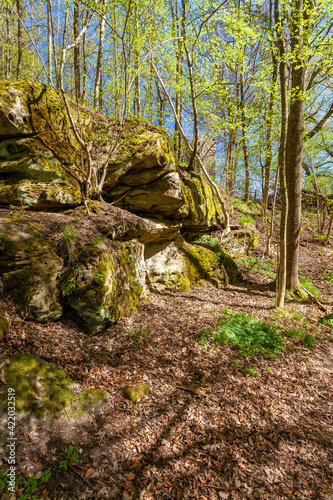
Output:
[[42, 390], [136, 392]]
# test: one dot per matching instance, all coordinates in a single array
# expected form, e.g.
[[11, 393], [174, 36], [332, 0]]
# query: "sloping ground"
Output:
[[207, 429]]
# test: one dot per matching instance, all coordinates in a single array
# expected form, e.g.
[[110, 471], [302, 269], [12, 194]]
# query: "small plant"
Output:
[[246, 332], [259, 266], [70, 235], [327, 320], [72, 455], [293, 333], [298, 316], [309, 340], [268, 369], [250, 371], [246, 219], [68, 286], [329, 278], [140, 332], [209, 239], [29, 487]]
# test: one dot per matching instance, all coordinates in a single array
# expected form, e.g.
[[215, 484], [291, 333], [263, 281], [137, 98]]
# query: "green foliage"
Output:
[[309, 340], [68, 286], [251, 207], [259, 266], [28, 487], [246, 219], [250, 371], [70, 235], [140, 332], [72, 455], [306, 283], [293, 333], [327, 320], [329, 278], [246, 332], [209, 239]]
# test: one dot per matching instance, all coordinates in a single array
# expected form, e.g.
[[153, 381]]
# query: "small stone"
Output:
[[136, 392]]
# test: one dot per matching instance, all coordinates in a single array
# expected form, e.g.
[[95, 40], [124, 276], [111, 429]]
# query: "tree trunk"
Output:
[[269, 127], [244, 143], [281, 274], [98, 79], [294, 145], [19, 41], [76, 30]]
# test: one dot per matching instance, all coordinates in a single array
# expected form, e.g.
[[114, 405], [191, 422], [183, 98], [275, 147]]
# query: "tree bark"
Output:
[[244, 142], [77, 77], [19, 41], [98, 79], [294, 145], [282, 274]]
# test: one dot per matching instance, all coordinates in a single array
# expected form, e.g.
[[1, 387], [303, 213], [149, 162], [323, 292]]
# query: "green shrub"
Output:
[[247, 333], [293, 333], [246, 219], [309, 340]]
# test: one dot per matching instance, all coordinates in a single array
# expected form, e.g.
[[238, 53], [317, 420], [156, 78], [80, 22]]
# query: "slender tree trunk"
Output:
[[137, 93], [269, 127], [76, 29], [19, 41], [98, 79], [294, 146], [282, 272], [244, 142]]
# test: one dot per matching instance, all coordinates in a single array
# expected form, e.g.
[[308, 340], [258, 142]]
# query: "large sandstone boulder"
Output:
[[241, 242], [143, 177], [202, 211], [49, 261], [30, 268], [177, 265], [105, 282], [40, 159]]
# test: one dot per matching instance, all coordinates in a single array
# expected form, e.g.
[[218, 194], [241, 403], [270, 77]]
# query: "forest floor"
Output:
[[215, 425]]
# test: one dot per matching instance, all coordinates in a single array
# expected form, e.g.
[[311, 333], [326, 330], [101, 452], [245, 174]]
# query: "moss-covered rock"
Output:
[[202, 211], [30, 268], [177, 265], [143, 178], [105, 282], [136, 392], [118, 224], [241, 242], [4, 326], [41, 390], [39, 156]]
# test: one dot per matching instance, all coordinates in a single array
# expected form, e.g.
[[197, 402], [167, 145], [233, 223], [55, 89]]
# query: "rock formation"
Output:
[[55, 256]]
